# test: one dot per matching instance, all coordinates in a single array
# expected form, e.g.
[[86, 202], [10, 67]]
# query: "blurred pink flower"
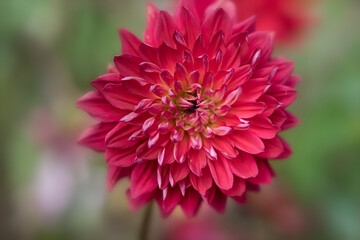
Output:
[[203, 230], [287, 18], [193, 112]]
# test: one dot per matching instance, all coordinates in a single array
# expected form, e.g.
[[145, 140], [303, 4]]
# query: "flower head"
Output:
[[192, 113]]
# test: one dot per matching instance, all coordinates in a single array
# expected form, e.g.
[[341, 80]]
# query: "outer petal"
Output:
[[130, 43], [244, 166], [120, 157], [247, 142], [94, 137], [95, 104], [191, 202], [202, 183], [221, 173], [164, 28], [143, 179], [152, 16]]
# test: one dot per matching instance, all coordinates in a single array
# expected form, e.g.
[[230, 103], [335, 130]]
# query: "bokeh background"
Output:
[[50, 188]]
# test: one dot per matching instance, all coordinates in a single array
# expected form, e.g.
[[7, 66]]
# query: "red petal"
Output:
[[265, 173], [283, 94], [224, 146], [241, 75], [114, 174], [253, 89], [120, 157], [248, 25], [290, 122], [96, 106], [197, 161], [129, 42], [152, 14], [148, 53], [94, 136], [244, 166], [238, 188], [202, 183], [178, 172], [263, 127], [143, 178], [247, 142], [101, 81], [218, 201], [163, 176], [120, 97], [119, 136], [191, 202], [190, 26], [216, 21], [128, 65], [164, 28], [181, 148], [273, 148], [173, 197], [244, 109], [221, 173]]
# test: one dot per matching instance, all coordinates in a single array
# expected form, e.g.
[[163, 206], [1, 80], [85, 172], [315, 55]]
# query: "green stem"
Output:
[[145, 225]]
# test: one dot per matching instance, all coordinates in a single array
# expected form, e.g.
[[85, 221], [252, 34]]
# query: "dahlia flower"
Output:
[[287, 18], [192, 113]]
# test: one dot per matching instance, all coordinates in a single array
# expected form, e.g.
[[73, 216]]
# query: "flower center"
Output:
[[193, 108]]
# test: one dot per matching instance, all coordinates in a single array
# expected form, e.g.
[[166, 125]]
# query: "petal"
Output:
[[215, 21], [253, 89], [244, 109], [238, 188], [164, 28], [94, 136], [127, 65], [290, 122], [224, 146], [119, 97], [248, 25], [173, 197], [263, 127], [221, 173], [166, 155], [178, 172], [191, 202], [190, 26], [163, 176], [119, 136], [244, 166], [101, 81], [96, 106], [181, 148], [265, 173], [241, 75], [202, 183], [218, 201], [152, 13], [273, 148], [143, 178], [197, 161], [284, 94], [120, 157], [114, 174], [168, 57], [130, 43], [247, 142]]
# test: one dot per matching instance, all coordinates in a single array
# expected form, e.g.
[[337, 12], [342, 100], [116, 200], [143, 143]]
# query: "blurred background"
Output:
[[50, 188]]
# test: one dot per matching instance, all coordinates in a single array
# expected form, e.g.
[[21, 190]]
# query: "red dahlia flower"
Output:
[[287, 18], [193, 112]]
